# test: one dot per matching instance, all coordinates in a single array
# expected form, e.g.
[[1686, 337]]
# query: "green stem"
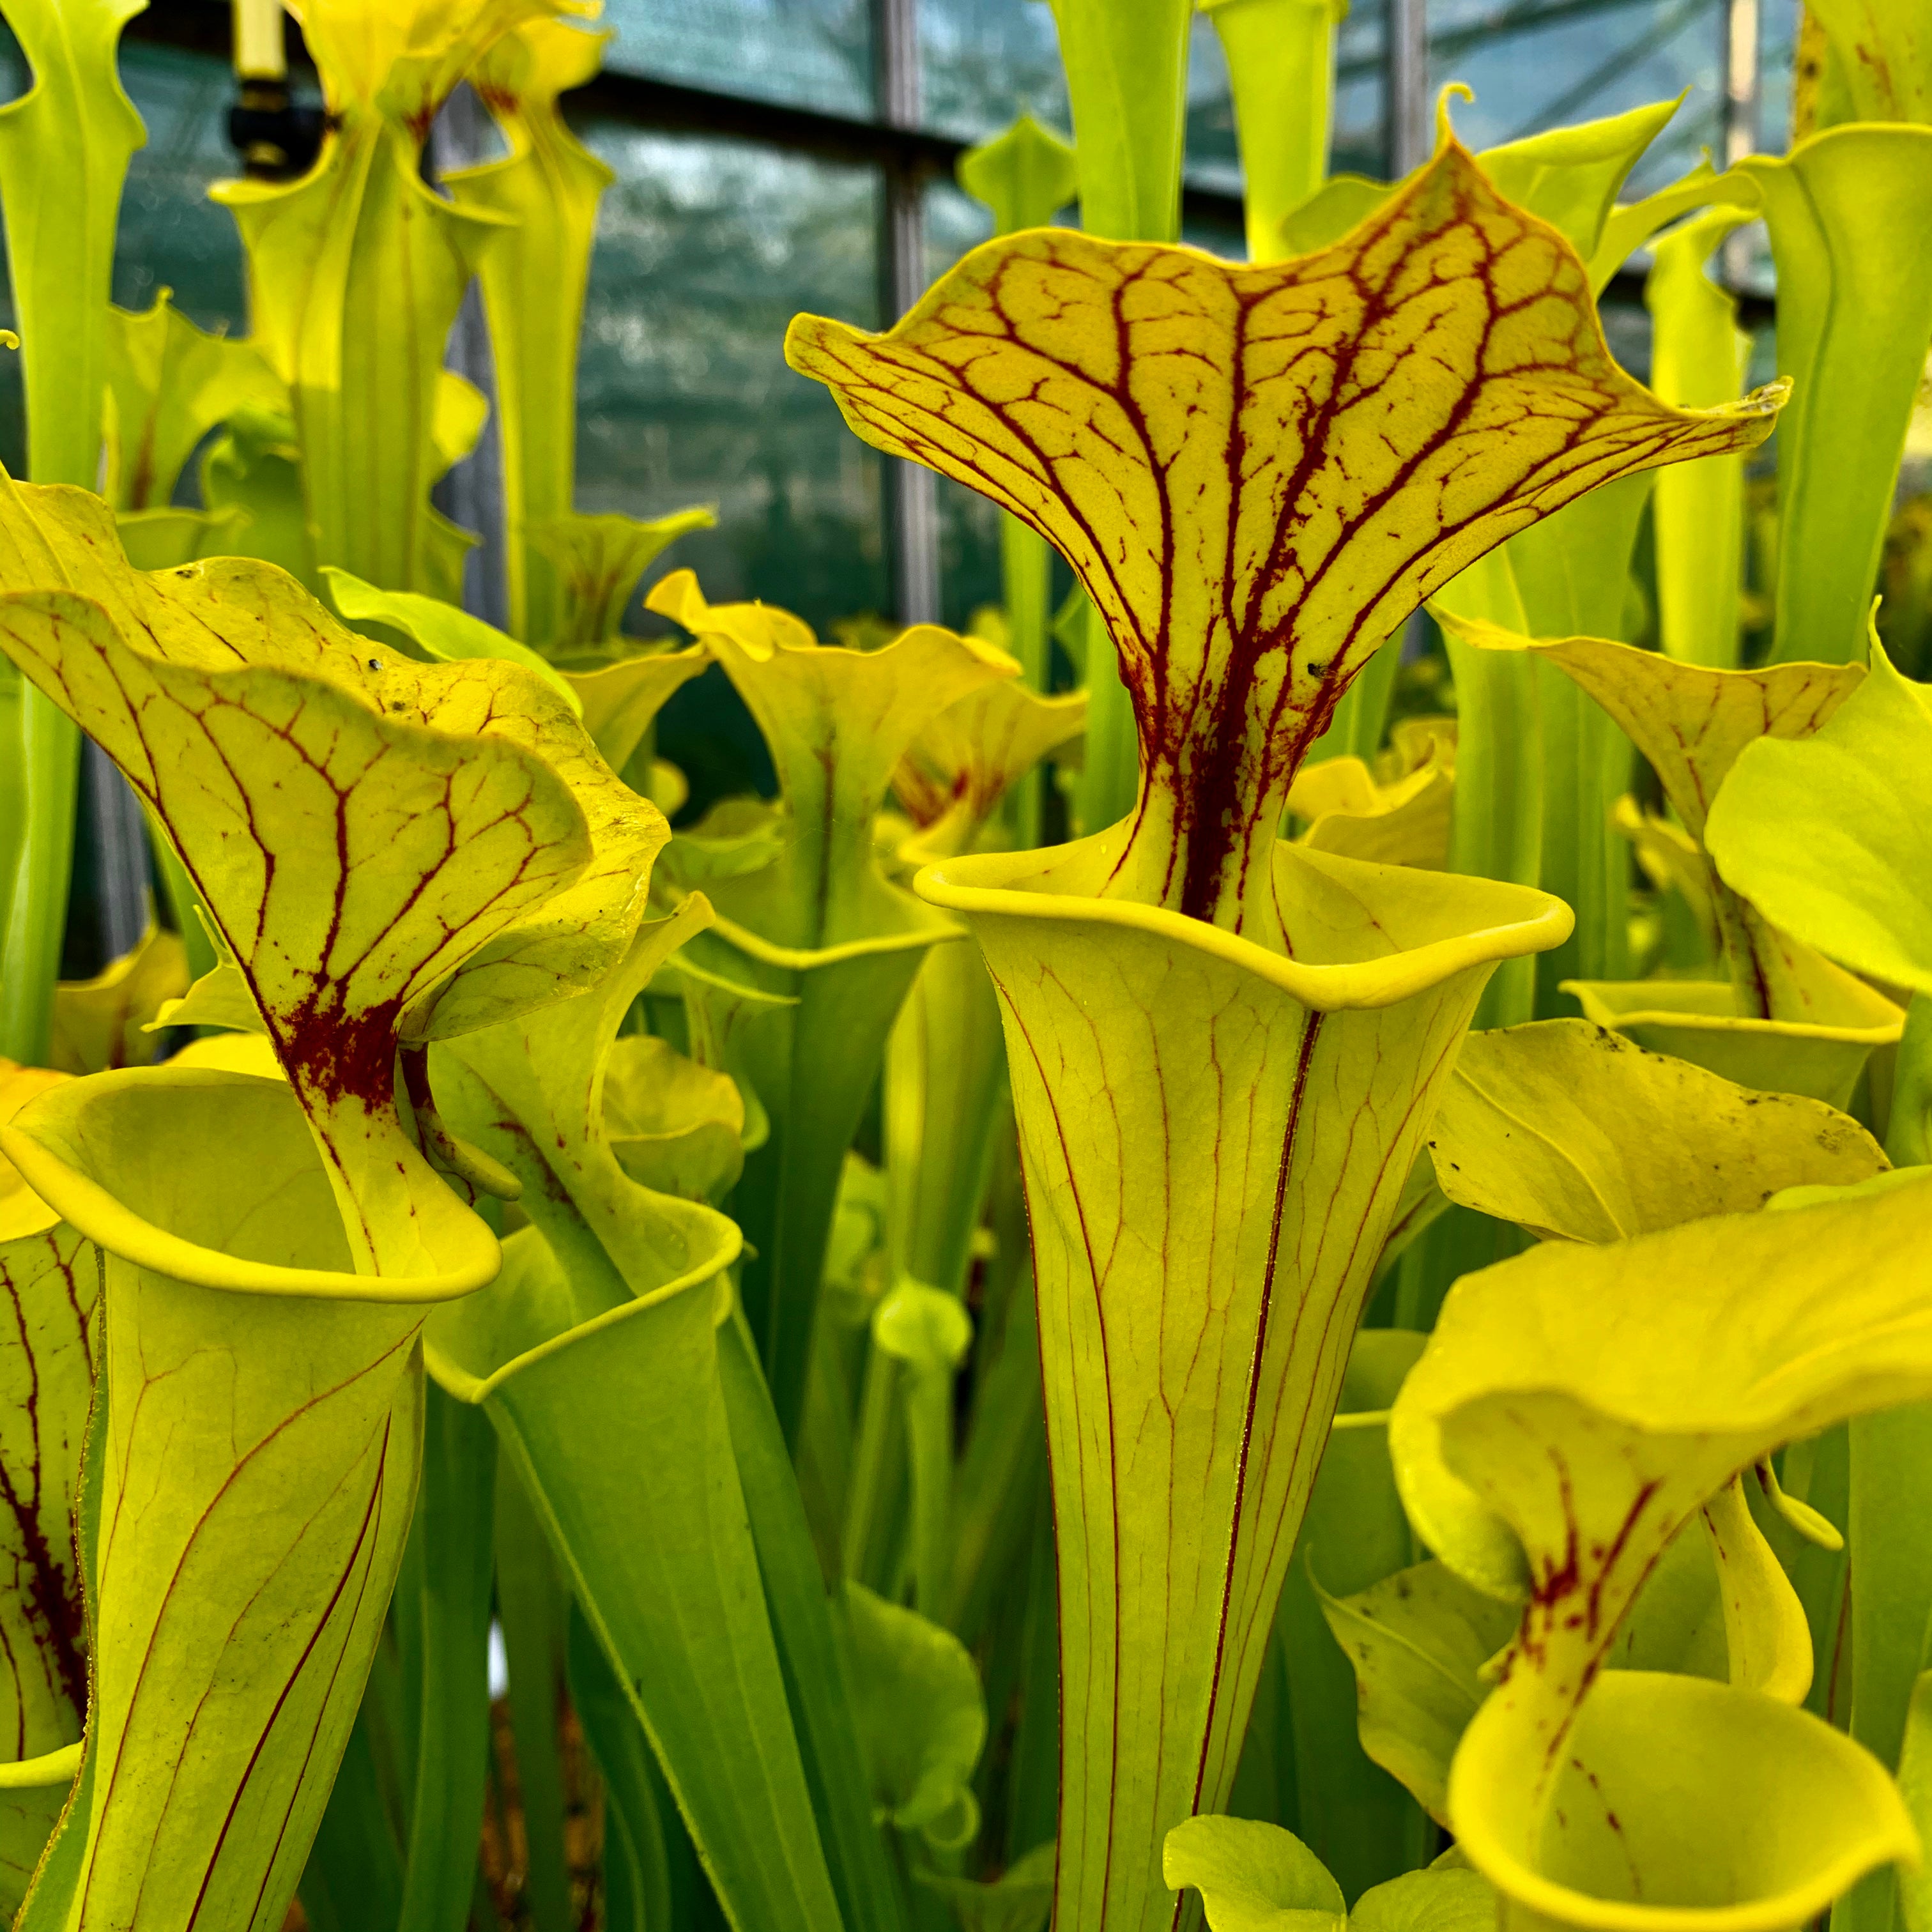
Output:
[[1496, 828], [453, 1622], [1587, 761], [1570, 576], [999, 1651], [1281, 68], [1890, 1592], [64, 150], [397, 1720], [391, 1731], [1126, 82], [816, 1092], [1003, 1468], [813, 1661], [1006, 1280], [531, 1598], [928, 1419], [484, 1916], [1026, 570], [637, 1864], [12, 784], [693, 1903], [1817, 1471], [36, 907], [353, 1879], [874, 1467], [945, 1081], [1033, 1805], [1908, 1133], [828, 1439]]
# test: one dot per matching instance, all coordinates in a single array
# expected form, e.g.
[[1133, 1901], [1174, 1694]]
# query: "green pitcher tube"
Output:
[[259, 1468]]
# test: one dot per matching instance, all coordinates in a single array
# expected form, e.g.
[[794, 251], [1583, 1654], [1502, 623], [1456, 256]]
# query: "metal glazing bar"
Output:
[[1517, 17], [1664, 27], [1405, 128], [1742, 92], [118, 840], [895, 43], [472, 494], [911, 488]]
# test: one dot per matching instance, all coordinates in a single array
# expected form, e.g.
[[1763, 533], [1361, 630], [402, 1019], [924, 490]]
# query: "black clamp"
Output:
[[276, 137]]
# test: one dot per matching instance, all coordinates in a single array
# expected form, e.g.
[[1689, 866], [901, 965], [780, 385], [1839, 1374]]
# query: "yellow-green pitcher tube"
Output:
[[1579, 1407], [49, 1280], [1855, 307], [1198, 1283], [1201, 1253], [1281, 67], [355, 273], [533, 283], [943, 1073], [1701, 358], [263, 1439], [64, 146], [1808, 1813]]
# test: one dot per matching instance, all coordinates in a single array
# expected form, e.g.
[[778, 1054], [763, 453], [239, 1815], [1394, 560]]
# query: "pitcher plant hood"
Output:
[[1257, 472], [391, 851]]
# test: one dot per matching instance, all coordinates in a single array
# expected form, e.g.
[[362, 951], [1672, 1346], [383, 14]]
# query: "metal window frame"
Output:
[[908, 158], [1407, 137], [912, 491], [895, 143]]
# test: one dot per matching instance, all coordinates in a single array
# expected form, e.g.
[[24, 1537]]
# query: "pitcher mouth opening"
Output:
[[1864, 1017], [1513, 1852], [471, 1364], [108, 1154], [1352, 934]]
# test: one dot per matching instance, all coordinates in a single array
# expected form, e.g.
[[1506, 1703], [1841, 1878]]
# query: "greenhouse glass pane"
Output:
[[1777, 42], [982, 62], [1213, 158], [171, 235], [804, 53], [1223, 237], [953, 224], [1357, 145], [1538, 63], [706, 250], [1627, 329]]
